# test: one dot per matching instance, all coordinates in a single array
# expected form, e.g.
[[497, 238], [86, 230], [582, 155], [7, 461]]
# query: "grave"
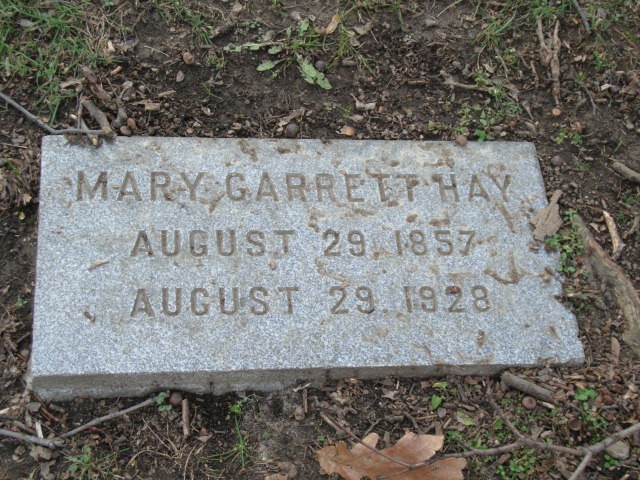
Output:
[[213, 265]]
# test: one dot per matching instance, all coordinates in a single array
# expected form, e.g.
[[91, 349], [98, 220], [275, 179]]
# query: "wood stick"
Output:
[[527, 387], [626, 172], [617, 245], [55, 443], [186, 421], [111, 416], [99, 116], [585, 20], [31, 117]]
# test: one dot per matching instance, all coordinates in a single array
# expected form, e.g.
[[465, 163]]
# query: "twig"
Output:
[[99, 116], [527, 387], [111, 416], [617, 245], [31, 117], [55, 443], [186, 421], [585, 20], [448, 80], [626, 172]]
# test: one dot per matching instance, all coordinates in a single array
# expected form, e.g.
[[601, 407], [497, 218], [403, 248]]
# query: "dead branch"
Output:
[[626, 172], [616, 242], [585, 20], [31, 117], [99, 116], [527, 387], [55, 443], [186, 421], [549, 50], [616, 282], [448, 80], [111, 416]]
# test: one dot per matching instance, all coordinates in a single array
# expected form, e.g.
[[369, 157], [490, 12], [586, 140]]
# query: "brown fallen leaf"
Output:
[[547, 221], [329, 29], [360, 461]]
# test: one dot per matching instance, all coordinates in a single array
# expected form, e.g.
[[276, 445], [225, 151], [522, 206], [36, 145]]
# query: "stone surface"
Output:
[[619, 450], [350, 258]]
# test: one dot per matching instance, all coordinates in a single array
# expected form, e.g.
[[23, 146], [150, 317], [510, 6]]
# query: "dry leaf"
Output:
[[547, 221], [335, 21], [361, 461], [347, 131]]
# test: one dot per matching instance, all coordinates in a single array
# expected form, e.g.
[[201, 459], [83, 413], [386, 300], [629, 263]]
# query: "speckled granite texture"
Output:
[[212, 265]]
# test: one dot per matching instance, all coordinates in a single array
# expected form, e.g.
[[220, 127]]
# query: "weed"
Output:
[[609, 462], [436, 401], [240, 449], [161, 400], [567, 241], [521, 465], [87, 466], [570, 133], [201, 23], [292, 46], [46, 41]]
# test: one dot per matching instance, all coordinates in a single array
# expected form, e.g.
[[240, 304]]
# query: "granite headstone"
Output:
[[212, 265]]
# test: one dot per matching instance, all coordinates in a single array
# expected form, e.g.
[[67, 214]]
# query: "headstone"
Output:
[[212, 265]]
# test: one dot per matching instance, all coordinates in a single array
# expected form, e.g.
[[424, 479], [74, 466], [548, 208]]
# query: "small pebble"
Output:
[[347, 131], [131, 123], [292, 130], [556, 112], [188, 58], [180, 76], [529, 403], [321, 65], [614, 89], [126, 131], [557, 161], [175, 399], [619, 450], [461, 140], [575, 425]]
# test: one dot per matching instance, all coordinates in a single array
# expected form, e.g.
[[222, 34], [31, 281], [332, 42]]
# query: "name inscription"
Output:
[[407, 239]]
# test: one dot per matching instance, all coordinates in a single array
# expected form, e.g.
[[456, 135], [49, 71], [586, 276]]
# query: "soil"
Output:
[[387, 63]]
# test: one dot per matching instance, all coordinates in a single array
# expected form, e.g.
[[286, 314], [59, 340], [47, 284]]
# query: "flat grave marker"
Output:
[[213, 265]]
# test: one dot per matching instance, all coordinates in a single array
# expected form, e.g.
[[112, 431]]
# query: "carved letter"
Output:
[[142, 304], [165, 302], [142, 244], [266, 188], [155, 186], [129, 187], [223, 301], [192, 186], [194, 302], [241, 192], [83, 185]]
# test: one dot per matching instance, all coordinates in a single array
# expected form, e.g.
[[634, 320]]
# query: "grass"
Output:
[[200, 21], [87, 466], [44, 44], [240, 450], [567, 242]]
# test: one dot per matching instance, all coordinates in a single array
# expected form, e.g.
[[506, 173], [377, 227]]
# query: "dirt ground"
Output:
[[464, 71]]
